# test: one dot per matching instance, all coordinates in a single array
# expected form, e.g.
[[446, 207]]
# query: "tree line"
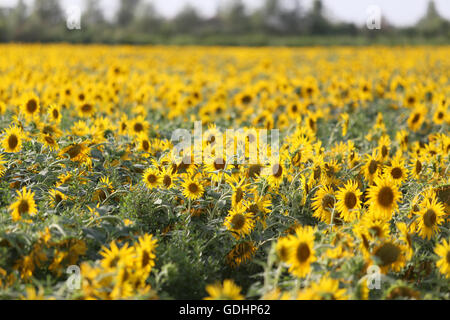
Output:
[[138, 21]]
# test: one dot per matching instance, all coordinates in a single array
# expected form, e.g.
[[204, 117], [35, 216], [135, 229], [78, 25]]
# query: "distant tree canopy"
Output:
[[137, 21]]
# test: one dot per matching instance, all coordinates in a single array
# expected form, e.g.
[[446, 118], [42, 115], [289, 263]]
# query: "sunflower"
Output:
[[78, 152], [216, 165], [241, 253], [239, 191], [12, 141], [389, 255], [282, 248], [54, 113], [384, 146], [152, 178], [383, 196], [416, 118], [301, 251], [49, 129], [323, 204], [80, 128], [326, 289], [371, 167], [2, 167], [143, 143], [331, 170], [443, 251], [30, 106], [348, 201], [276, 172], [396, 170], [439, 116], [86, 109], [239, 221], [56, 197], [24, 204], [375, 224], [115, 257], [167, 178], [192, 189], [417, 167], [430, 217], [228, 291], [138, 126], [49, 142], [145, 253]]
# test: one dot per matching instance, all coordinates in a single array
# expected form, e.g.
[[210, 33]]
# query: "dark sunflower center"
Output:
[[373, 166], [254, 170], [283, 253], [246, 99], [418, 166], [303, 252], [448, 256], [151, 178], [49, 140], [138, 127], [376, 230], [13, 141], [238, 221], [219, 164], [48, 130], [317, 173], [429, 218], [58, 198], [312, 124], [328, 202], [74, 151], [416, 118], [55, 114], [384, 151], [85, 108], [277, 170], [145, 145], [388, 254], [440, 115], [193, 188], [24, 207], [167, 181], [238, 195], [32, 106], [145, 258], [386, 197], [350, 200], [296, 159], [396, 173]]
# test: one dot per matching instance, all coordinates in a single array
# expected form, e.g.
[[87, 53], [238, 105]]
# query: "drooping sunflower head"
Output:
[[389, 255]]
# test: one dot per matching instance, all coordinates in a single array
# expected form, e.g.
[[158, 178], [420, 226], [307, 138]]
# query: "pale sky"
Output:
[[398, 12]]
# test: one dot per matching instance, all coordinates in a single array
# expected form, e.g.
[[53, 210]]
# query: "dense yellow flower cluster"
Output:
[[362, 172]]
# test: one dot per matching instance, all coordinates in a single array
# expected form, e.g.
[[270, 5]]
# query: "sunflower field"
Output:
[[93, 204]]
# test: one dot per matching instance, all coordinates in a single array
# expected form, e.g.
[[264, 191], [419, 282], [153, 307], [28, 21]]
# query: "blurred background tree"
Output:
[[275, 21]]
